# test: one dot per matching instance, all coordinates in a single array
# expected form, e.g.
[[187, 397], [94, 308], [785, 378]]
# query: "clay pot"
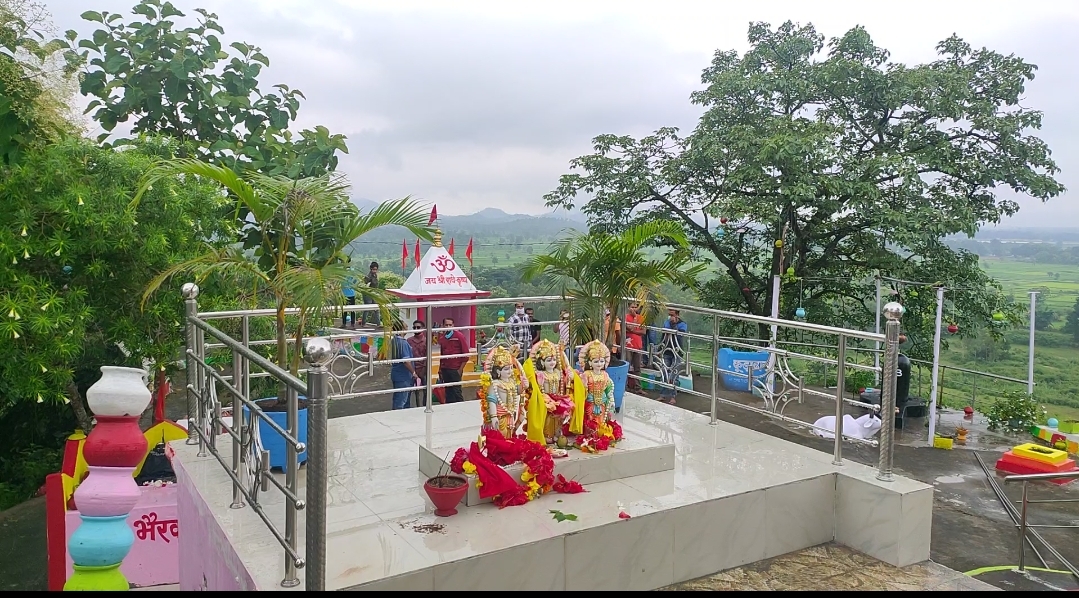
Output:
[[108, 492], [446, 492], [120, 392], [115, 442]]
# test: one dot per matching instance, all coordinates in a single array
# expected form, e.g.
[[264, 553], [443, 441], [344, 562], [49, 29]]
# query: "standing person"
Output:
[[418, 344], [402, 374], [520, 330], [616, 341], [534, 329], [348, 318], [634, 343], [451, 365], [372, 281], [562, 327], [671, 354]]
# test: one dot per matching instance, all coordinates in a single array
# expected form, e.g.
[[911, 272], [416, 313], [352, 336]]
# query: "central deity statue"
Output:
[[502, 393], [599, 388], [554, 379]]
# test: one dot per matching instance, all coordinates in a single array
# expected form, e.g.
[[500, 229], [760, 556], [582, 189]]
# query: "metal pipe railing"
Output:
[[1023, 527], [319, 352]]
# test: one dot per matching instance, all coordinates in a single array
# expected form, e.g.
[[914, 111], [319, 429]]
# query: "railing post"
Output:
[[318, 353], [429, 408], [892, 312], [840, 383], [1023, 531], [292, 482], [238, 381], [190, 292], [715, 366]]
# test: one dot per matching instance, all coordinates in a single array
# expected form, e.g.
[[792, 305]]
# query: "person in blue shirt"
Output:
[[672, 354], [402, 374], [348, 318]]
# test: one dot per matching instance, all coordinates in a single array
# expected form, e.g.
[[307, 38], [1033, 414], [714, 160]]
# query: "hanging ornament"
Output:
[[745, 289], [66, 269], [719, 233], [723, 220], [779, 243], [914, 293], [998, 316], [800, 313], [790, 271], [952, 328]]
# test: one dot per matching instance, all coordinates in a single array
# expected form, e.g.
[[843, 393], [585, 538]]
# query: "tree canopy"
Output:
[[186, 82], [32, 80], [74, 261], [828, 163]]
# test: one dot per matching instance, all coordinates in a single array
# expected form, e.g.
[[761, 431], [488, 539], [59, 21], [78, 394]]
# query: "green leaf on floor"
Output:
[[559, 516]]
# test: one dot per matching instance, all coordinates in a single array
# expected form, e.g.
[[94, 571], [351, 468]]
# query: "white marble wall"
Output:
[[890, 521]]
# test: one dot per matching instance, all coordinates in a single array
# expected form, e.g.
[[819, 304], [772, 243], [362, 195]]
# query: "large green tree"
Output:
[[181, 79], [74, 261], [828, 163], [32, 80]]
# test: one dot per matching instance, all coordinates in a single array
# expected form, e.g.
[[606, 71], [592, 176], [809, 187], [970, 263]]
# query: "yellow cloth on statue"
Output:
[[537, 406], [576, 422]]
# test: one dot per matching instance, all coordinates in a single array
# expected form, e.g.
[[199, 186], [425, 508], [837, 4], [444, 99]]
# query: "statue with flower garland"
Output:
[[555, 382], [599, 429], [502, 393]]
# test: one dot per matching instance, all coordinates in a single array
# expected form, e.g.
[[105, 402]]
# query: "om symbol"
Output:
[[444, 264]]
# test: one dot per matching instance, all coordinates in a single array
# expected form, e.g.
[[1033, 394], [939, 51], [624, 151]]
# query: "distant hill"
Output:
[[488, 223]]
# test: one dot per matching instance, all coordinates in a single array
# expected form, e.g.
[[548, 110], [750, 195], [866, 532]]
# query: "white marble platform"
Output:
[[633, 456], [732, 497]]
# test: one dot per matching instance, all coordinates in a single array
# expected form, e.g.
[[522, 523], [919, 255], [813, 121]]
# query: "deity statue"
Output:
[[502, 392], [554, 378], [598, 386]]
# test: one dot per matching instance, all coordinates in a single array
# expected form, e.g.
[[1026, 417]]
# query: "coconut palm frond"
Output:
[[226, 177], [227, 261], [398, 212]]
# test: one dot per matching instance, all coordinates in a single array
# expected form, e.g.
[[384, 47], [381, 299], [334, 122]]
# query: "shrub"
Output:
[[1014, 411]]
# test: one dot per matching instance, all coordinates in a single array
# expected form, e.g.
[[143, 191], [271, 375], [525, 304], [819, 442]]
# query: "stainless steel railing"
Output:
[[331, 374], [1026, 530]]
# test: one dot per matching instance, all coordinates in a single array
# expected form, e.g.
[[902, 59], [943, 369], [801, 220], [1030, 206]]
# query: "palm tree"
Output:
[[293, 235], [599, 270]]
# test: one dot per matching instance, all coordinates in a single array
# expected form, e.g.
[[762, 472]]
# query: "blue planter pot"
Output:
[[273, 442], [101, 541], [619, 375]]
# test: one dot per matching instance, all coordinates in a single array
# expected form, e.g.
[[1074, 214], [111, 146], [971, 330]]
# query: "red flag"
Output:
[[468, 251], [450, 248], [404, 254], [434, 215], [417, 253]]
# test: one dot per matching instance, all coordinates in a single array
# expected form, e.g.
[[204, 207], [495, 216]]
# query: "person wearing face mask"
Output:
[[454, 357], [520, 329], [418, 343]]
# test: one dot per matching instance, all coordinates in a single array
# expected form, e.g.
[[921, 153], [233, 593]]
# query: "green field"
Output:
[[1059, 290]]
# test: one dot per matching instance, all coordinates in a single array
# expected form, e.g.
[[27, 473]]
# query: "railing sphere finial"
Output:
[[894, 311], [318, 352], [190, 290]]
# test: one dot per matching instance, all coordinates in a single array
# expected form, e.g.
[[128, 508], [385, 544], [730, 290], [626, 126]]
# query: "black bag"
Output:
[[157, 467]]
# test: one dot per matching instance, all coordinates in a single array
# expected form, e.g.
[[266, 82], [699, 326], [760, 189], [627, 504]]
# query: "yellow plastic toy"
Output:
[[1043, 454], [943, 442]]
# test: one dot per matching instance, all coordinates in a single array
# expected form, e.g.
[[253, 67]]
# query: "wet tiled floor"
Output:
[[834, 567]]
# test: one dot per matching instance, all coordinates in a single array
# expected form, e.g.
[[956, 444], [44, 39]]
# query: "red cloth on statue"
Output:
[[495, 480]]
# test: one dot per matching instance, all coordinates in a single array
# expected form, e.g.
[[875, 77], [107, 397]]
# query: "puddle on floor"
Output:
[[950, 479]]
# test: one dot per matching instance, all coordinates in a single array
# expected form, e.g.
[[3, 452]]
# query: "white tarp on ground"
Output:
[[864, 427]]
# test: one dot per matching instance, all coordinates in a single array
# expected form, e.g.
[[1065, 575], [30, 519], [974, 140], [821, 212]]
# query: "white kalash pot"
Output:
[[121, 392]]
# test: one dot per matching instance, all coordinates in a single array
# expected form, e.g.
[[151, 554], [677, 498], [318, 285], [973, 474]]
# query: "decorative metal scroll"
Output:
[[786, 388], [211, 405], [253, 451], [347, 370]]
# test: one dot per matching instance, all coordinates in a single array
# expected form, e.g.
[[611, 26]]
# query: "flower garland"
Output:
[[597, 439], [538, 477]]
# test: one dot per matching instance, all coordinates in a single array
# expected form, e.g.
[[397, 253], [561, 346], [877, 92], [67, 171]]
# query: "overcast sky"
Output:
[[483, 104]]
